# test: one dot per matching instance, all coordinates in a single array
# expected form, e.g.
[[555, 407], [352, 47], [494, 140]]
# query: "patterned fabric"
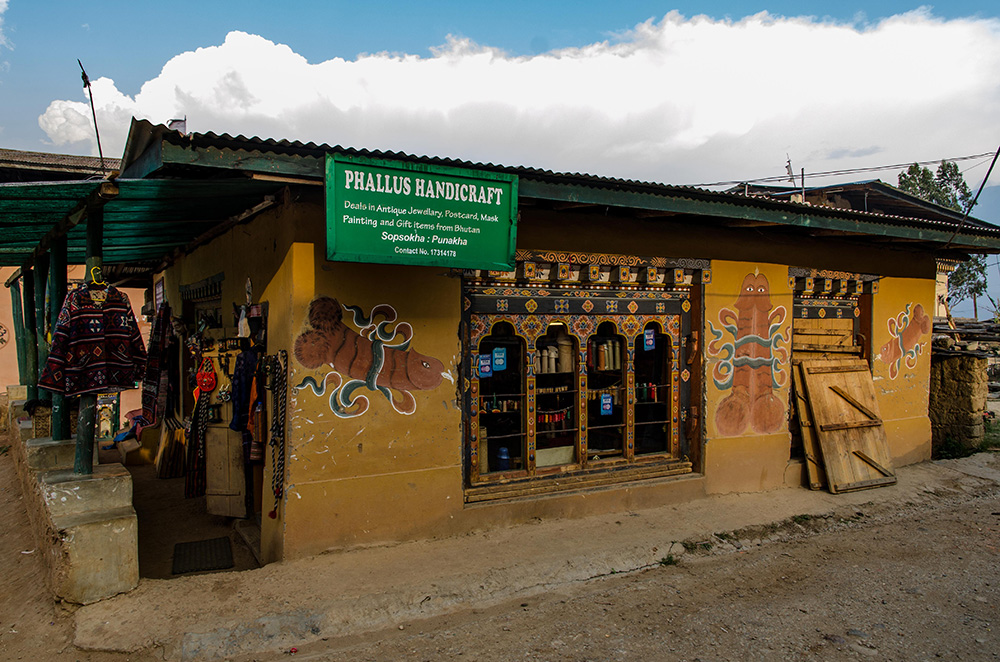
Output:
[[279, 386], [243, 375], [195, 479], [95, 346], [154, 383]]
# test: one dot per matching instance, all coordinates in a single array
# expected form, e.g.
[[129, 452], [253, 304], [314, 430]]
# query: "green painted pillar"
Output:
[[15, 299], [85, 426], [57, 294], [41, 277], [30, 340]]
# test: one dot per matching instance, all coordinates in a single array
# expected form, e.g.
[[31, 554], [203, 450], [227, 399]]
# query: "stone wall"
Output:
[[958, 398]]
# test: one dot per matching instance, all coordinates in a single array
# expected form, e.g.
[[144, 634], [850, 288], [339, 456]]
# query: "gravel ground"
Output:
[[919, 583], [911, 578]]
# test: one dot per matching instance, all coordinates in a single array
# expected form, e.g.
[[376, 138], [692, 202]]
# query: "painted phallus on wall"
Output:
[[363, 359], [751, 363], [905, 331]]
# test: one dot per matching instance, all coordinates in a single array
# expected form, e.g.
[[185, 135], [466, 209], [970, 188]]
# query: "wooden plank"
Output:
[[796, 330], [851, 425], [821, 370], [560, 482], [835, 420], [879, 467], [866, 484], [814, 463], [823, 336], [812, 347], [857, 404]]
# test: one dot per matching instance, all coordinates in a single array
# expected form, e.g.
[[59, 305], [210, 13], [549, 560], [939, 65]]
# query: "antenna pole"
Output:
[[86, 84]]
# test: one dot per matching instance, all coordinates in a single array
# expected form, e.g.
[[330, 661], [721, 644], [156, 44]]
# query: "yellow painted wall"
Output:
[[746, 415], [391, 472], [902, 315]]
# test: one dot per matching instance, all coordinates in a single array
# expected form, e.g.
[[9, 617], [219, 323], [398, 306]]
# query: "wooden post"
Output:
[[41, 276], [15, 299], [57, 294], [84, 460], [30, 341]]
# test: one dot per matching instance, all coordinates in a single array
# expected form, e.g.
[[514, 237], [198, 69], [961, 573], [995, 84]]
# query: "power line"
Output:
[[847, 171]]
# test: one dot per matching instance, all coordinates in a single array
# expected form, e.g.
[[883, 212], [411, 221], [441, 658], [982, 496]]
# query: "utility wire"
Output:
[[972, 204], [847, 171]]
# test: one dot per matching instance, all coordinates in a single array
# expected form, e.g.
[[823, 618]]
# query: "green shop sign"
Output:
[[393, 212]]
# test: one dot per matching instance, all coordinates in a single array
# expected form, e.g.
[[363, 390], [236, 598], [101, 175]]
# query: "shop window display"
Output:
[[578, 369]]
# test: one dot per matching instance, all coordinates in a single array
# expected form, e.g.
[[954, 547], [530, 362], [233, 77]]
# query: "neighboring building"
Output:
[[638, 351], [878, 197]]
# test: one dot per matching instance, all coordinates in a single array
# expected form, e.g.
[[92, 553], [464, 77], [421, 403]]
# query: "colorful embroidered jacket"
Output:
[[95, 347]]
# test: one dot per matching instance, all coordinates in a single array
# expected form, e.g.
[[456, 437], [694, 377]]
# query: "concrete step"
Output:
[[47, 454], [97, 554], [109, 487]]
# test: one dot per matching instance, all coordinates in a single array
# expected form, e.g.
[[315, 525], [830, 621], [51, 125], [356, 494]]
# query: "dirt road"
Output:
[[912, 576], [920, 584]]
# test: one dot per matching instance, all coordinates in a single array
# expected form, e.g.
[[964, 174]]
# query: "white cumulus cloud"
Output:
[[3, 9], [677, 99]]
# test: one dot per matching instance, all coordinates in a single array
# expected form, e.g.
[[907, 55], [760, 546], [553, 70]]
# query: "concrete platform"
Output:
[[46, 453], [85, 525], [223, 615]]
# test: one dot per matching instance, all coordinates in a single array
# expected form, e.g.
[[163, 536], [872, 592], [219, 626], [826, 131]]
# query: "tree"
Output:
[[947, 188]]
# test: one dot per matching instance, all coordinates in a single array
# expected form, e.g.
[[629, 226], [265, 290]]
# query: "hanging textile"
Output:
[[279, 386], [95, 346], [154, 382], [194, 474], [242, 381], [257, 425]]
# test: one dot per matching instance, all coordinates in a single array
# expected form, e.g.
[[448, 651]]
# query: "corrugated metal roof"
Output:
[[627, 188], [145, 221], [81, 166]]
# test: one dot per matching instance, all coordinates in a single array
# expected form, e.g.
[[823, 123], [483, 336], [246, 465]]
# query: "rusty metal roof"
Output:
[[20, 165]]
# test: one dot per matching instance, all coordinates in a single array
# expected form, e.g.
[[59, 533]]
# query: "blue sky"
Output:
[[624, 89]]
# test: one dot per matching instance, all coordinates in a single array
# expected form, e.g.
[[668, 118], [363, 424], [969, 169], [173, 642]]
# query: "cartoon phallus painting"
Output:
[[363, 359], [904, 346], [751, 364]]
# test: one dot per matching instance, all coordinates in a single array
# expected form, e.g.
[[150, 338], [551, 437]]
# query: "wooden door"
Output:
[[846, 421], [225, 483]]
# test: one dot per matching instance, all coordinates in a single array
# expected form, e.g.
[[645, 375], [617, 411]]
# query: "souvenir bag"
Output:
[[205, 377]]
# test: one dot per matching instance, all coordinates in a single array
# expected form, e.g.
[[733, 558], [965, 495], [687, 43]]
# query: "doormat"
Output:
[[214, 554]]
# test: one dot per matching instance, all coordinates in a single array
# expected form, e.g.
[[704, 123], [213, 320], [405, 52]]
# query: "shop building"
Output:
[[528, 345]]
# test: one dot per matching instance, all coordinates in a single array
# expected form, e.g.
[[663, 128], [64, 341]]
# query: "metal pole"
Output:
[[30, 341], [84, 460], [15, 299], [57, 294], [41, 274]]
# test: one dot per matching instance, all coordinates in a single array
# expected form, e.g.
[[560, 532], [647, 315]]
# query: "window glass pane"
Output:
[[652, 391], [501, 405], [606, 395], [556, 422]]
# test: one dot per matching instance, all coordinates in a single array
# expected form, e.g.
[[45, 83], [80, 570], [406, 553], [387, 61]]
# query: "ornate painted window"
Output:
[[578, 371]]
